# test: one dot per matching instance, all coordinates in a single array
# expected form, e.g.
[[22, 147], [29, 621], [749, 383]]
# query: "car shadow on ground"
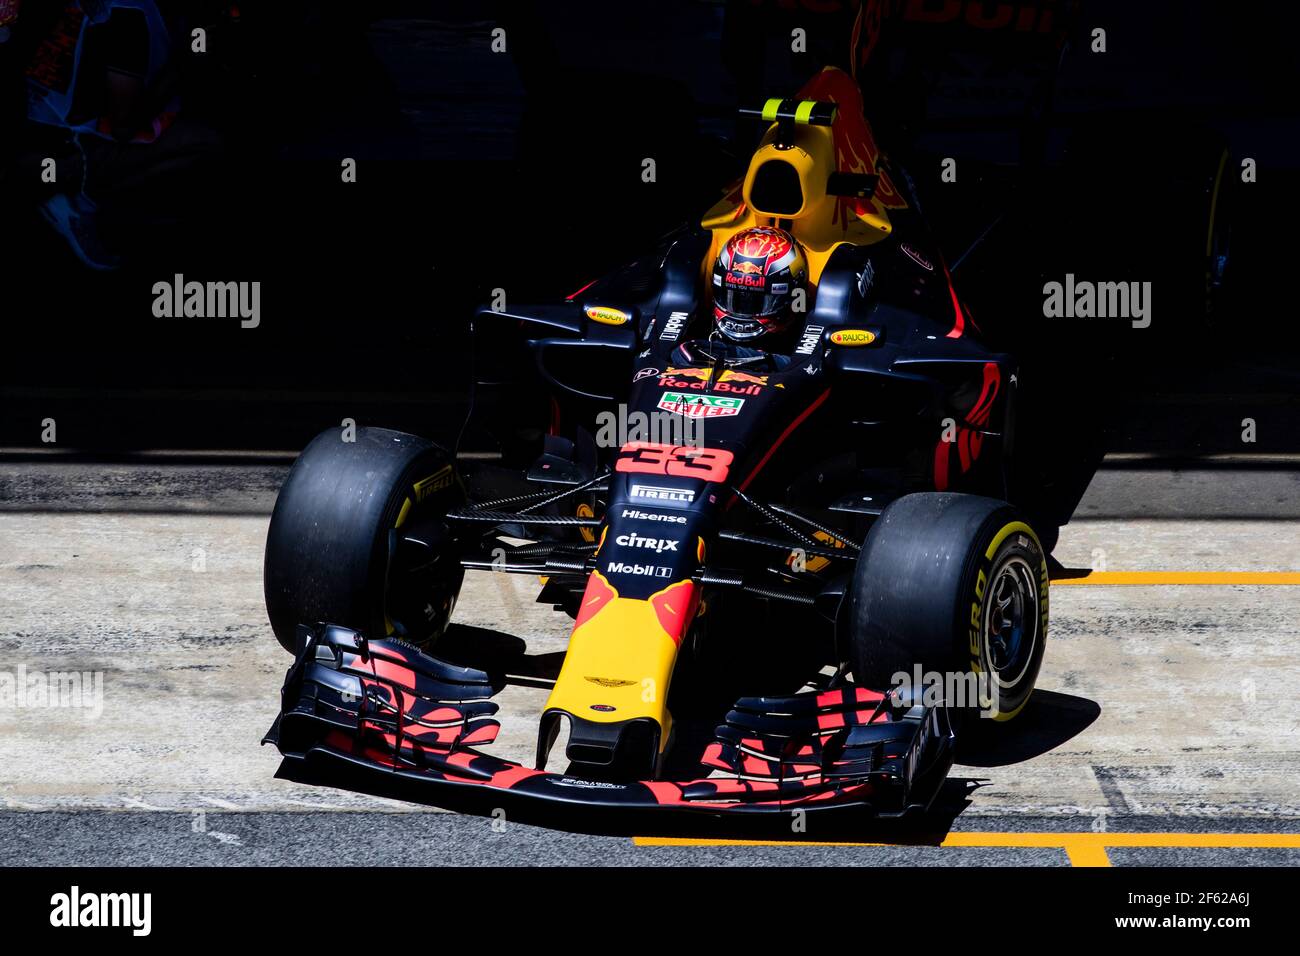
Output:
[[1048, 721]]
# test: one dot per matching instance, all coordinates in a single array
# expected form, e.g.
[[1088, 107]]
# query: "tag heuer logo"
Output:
[[700, 406]]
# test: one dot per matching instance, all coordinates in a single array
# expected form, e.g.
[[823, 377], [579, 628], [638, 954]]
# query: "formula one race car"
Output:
[[842, 489]]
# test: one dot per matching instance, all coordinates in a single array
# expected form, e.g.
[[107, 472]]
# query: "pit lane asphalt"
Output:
[[1164, 709], [369, 838]]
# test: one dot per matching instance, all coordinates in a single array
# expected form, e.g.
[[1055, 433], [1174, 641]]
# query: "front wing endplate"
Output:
[[384, 706]]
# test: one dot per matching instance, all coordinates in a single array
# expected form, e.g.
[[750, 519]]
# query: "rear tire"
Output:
[[333, 551], [955, 584]]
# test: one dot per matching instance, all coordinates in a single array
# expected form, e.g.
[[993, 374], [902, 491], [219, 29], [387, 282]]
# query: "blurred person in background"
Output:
[[101, 86]]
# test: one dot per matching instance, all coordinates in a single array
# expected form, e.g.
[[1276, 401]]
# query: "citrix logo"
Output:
[[658, 545]]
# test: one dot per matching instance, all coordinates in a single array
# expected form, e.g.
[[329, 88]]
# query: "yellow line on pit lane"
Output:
[[1182, 577], [1082, 849]]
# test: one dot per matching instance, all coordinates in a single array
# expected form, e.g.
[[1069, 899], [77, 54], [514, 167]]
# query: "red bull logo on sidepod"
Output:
[[730, 381]]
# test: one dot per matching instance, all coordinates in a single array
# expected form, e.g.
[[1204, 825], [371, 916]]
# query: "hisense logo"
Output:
[[179, 299]]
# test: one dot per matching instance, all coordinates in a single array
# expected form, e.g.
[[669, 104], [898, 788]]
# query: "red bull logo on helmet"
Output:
[[750, 281], [762, 244]]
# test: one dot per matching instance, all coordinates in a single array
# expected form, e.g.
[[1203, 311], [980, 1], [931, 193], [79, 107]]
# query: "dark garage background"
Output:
[[479, 170]]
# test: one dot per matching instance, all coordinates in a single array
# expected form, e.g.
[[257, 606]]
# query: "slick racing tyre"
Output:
[[358, 538], [956, 584]]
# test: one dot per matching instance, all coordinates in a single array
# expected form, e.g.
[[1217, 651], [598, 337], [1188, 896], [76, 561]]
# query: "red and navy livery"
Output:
[[413, 721], [837, 497]]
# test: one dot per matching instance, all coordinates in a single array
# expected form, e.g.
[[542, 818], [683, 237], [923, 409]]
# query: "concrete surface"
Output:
[[1168, 708]]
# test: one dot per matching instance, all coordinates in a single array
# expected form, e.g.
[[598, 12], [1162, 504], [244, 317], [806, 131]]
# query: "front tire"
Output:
[[357, 538], [955, 584]]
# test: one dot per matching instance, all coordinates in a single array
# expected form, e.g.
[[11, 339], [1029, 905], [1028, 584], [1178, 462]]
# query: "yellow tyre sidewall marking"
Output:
[[977, 604]]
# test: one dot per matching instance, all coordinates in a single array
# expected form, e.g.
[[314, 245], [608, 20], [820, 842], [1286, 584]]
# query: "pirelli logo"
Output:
[[438, 481]]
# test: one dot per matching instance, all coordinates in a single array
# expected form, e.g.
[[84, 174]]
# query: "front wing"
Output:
[[401, 716]]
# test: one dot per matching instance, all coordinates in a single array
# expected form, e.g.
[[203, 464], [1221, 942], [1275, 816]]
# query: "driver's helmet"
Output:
[[754, 283]]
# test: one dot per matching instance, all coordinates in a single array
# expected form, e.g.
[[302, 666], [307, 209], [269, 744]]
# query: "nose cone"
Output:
[[613, 685]]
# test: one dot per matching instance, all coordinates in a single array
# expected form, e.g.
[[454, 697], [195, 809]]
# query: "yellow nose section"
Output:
[[621, 654]]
